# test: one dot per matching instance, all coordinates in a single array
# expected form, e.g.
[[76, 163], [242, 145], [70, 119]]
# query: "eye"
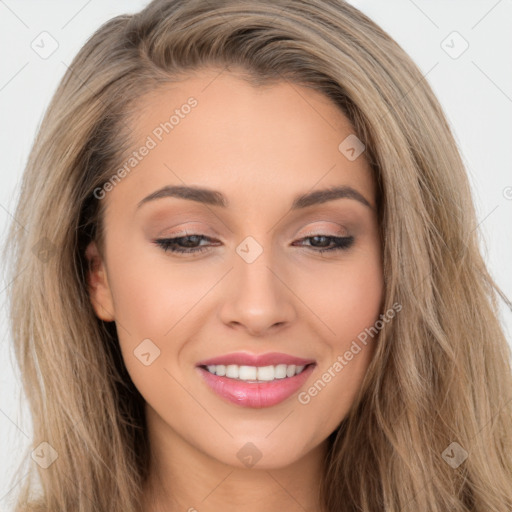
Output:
[[338, 243], [188, 244]]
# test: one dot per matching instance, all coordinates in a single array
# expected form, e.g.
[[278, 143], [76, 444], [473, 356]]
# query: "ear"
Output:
[[98, 287]]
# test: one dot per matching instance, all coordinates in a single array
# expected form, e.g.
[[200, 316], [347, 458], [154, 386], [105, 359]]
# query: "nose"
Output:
[[257, 298]]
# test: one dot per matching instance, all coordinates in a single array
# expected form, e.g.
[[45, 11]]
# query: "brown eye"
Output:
[[183, 244], [320, 243]]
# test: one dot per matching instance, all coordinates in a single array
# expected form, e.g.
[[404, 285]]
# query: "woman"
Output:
[[250, 275]]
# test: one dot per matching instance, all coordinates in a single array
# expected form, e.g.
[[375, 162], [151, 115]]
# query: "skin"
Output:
[[260, 147]]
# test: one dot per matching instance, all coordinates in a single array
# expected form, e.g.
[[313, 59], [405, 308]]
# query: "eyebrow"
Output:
[[216, 198]]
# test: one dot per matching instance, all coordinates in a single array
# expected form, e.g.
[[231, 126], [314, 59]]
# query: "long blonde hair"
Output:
[[440, 382]]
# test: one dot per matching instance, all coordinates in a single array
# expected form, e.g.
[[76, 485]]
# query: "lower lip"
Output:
[[257, 394]]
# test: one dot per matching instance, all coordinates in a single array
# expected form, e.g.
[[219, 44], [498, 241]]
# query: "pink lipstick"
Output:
[[255, 380]]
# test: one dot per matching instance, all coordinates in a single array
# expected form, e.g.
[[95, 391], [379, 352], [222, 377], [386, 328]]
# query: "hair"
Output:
[[441, 372]]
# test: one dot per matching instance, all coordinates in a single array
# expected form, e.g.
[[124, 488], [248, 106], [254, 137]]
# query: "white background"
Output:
[[474, 89]]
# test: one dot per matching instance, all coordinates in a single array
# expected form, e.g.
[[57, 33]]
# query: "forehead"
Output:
[[214, 129]]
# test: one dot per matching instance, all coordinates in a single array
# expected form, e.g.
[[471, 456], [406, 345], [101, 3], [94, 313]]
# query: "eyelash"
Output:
[[170, 244]]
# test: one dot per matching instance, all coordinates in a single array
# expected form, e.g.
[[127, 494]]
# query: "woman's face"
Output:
[[254, 282]]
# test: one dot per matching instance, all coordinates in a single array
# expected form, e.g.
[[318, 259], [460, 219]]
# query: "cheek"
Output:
[[350, 310], [151, 294], [156, 300], [346, 296]]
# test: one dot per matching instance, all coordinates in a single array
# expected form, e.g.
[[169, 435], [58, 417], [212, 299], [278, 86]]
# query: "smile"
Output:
[[256, 373], [272, 385]]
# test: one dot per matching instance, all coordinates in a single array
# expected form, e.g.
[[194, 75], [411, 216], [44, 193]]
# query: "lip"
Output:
[[246, 359], [255, 394]]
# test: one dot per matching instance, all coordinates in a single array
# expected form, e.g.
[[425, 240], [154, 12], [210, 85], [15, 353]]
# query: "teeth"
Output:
[[232, 371], [290, 370], [255, 373], [246, 372]]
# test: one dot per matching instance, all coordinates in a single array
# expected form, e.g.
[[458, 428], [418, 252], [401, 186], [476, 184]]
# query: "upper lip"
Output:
[[246, 359]]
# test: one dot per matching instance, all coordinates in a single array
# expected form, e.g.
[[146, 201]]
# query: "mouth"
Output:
[[255, 386], [255, 374], [248, 359]]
